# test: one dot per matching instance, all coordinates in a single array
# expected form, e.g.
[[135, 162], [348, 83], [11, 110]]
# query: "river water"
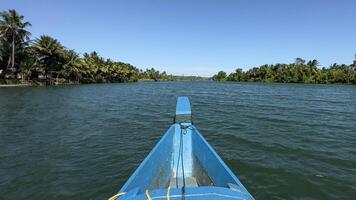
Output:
[[283, 141]]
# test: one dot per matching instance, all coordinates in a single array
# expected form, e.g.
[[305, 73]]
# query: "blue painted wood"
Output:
[[158, 159], [183, 106], [207, 175], [197, 193]]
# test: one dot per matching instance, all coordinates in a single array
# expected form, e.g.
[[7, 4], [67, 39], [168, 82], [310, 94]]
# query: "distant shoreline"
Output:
[[148, 81], [41, 84], [301, 71]]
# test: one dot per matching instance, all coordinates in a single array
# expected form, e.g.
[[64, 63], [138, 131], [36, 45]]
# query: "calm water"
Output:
[[284, 141]]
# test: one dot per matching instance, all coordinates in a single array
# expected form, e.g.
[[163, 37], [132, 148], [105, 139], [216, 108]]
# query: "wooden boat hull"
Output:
[[183, 165]]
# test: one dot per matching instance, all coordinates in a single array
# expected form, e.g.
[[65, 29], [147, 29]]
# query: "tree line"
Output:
[[298, 72], [44, 60]]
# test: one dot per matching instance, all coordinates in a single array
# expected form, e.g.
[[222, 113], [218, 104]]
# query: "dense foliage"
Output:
[[297, 72], [45, 60]]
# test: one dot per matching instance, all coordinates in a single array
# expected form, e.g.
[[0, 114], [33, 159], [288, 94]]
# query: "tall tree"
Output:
[[1, 47], [72, 66], [221, 76], [153, 74], [313, 63], [50, 53], [299, 61], [13, 28], [28, 63]]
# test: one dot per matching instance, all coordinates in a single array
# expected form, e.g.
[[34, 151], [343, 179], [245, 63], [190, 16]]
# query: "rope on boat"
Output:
[[117, 196], [148, 195], [169, 193], [180, 156]]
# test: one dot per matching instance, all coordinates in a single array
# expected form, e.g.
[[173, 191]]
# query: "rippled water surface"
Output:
[[284, 141]]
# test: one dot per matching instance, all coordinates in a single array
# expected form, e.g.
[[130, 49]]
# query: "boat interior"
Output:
[[181, 164], [164, 166]]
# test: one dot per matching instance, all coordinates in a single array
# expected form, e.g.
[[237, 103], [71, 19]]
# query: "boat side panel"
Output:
[[157, 162], [217, 170]]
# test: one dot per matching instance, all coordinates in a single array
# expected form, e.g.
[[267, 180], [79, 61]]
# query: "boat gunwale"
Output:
[[228, 170], [146, 160]]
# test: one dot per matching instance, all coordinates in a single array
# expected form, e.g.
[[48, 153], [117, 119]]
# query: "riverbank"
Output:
[[274, 82], [147, 81], [14, 85], [18, 83], [67, 83]]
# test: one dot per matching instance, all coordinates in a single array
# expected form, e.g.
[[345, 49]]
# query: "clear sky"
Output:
[[198, 37]]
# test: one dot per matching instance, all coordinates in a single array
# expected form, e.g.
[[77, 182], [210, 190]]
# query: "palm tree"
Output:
[[50, 53], [220, 76], [299, 61], [1, 47], [1, 58], [28, 63], [72, 67], [13, 27], [313, 63]]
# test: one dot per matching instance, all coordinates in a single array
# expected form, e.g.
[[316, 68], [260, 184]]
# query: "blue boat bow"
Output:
[[183, 166]]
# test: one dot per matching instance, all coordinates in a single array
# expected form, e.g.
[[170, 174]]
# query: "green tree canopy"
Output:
[[13, 32], [50, 53], [298, 72], [220, 76]]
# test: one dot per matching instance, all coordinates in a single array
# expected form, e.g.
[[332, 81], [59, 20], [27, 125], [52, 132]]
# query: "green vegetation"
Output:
[[45, 60], [297, 72]]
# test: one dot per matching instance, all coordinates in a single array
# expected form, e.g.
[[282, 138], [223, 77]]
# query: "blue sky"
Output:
[[198, 37]]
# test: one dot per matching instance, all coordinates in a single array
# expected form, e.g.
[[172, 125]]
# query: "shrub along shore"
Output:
[[298, 72]]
